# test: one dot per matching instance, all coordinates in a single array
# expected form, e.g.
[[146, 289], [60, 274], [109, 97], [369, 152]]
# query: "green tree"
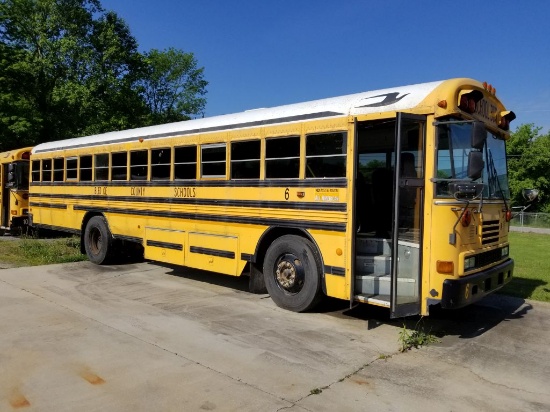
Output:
[[529, 164], [69, 68], [173, 87]]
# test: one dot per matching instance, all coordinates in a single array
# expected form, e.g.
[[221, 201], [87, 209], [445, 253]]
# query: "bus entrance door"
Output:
[[407, 215]]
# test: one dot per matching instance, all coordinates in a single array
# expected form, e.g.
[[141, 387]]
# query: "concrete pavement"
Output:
[[144, 337]]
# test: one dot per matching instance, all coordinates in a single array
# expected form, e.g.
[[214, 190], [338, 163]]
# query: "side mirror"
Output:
[[475, 165], [479, 135], [530, 195]]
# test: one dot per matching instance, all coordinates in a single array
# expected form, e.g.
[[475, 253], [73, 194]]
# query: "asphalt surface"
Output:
[[145, 337]]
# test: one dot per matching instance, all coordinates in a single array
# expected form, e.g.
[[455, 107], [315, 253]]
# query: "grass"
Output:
[[415, 338], [35, 252], [532, 266]]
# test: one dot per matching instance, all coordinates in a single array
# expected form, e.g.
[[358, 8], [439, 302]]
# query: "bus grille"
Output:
[[490, 232], [486, 258]]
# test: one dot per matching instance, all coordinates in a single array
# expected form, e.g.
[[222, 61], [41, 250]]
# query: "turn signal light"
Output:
[[444, 266], [508, 215], [466, 218]]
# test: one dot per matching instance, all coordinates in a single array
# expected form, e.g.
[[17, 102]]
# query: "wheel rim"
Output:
[[95, 241], [289, 273]]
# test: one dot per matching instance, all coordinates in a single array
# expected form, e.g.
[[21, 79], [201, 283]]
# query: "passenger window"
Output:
[[85, 168], [282, 158], [47, 170], [101, 167], [160, 164], [119, 166], [35, 173], [185, 162], [138, 165], [58, 169], [245, 160], [326, 155], [213, 160], [72, 168]]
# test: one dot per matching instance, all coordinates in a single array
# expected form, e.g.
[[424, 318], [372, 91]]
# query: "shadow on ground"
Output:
[[464, 323]]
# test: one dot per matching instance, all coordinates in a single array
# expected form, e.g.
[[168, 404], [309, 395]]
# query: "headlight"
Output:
[[469, 263], [505, 251]]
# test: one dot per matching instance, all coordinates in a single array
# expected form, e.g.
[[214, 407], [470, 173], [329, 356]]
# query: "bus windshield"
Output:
[[454, 146], [20, 179]]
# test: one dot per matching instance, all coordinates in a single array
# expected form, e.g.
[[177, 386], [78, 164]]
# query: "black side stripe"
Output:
[[247, 256], [212, 252], [292, 183], [48, 205], [165, 245], [334, 270], [304, 224]]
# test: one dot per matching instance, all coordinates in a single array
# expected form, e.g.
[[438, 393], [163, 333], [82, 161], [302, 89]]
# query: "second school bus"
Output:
[[394, 197], [14, 193]]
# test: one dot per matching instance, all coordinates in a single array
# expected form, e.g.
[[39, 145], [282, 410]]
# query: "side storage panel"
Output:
[[164, 245], [217, 253]]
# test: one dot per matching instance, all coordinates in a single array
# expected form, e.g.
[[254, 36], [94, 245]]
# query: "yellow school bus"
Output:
[[14, 195], [396, 197]]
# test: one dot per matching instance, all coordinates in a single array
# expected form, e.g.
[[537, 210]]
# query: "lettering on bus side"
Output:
[[100, 190], [184, 192], [137, 191]]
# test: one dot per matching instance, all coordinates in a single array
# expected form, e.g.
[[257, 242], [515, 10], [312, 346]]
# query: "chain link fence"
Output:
[[535, 220]]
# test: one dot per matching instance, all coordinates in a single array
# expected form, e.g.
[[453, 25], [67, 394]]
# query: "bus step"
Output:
[[380, 284], [365, 245], [378, 300], [370, 264]]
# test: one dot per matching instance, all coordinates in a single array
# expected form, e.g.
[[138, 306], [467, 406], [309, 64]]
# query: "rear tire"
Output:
[[98, 240], [292, 272]]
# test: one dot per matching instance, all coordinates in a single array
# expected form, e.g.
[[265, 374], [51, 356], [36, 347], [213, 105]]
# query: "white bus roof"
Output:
[[391, 99]]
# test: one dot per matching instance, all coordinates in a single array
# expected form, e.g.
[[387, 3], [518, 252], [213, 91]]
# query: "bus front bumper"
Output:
[[461, 292]]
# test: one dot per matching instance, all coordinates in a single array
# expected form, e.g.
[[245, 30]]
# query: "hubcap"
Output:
[[289, 273], [95, 241]]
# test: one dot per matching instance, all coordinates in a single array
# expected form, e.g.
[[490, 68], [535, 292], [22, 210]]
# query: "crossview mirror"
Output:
[[479, 135], [475, 165], [530, 195]]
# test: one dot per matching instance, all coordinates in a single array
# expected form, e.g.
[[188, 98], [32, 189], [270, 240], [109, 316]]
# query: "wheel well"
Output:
[[276, 232], [85, 221]]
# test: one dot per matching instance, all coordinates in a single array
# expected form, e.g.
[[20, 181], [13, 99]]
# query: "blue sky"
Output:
[[266, 53]]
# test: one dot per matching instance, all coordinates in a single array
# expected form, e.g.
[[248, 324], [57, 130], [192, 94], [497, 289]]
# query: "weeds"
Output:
[[415, 338]]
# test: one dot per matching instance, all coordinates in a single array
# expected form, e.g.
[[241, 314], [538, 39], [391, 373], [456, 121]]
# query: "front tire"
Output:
[[98, 240], [292, 269]]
